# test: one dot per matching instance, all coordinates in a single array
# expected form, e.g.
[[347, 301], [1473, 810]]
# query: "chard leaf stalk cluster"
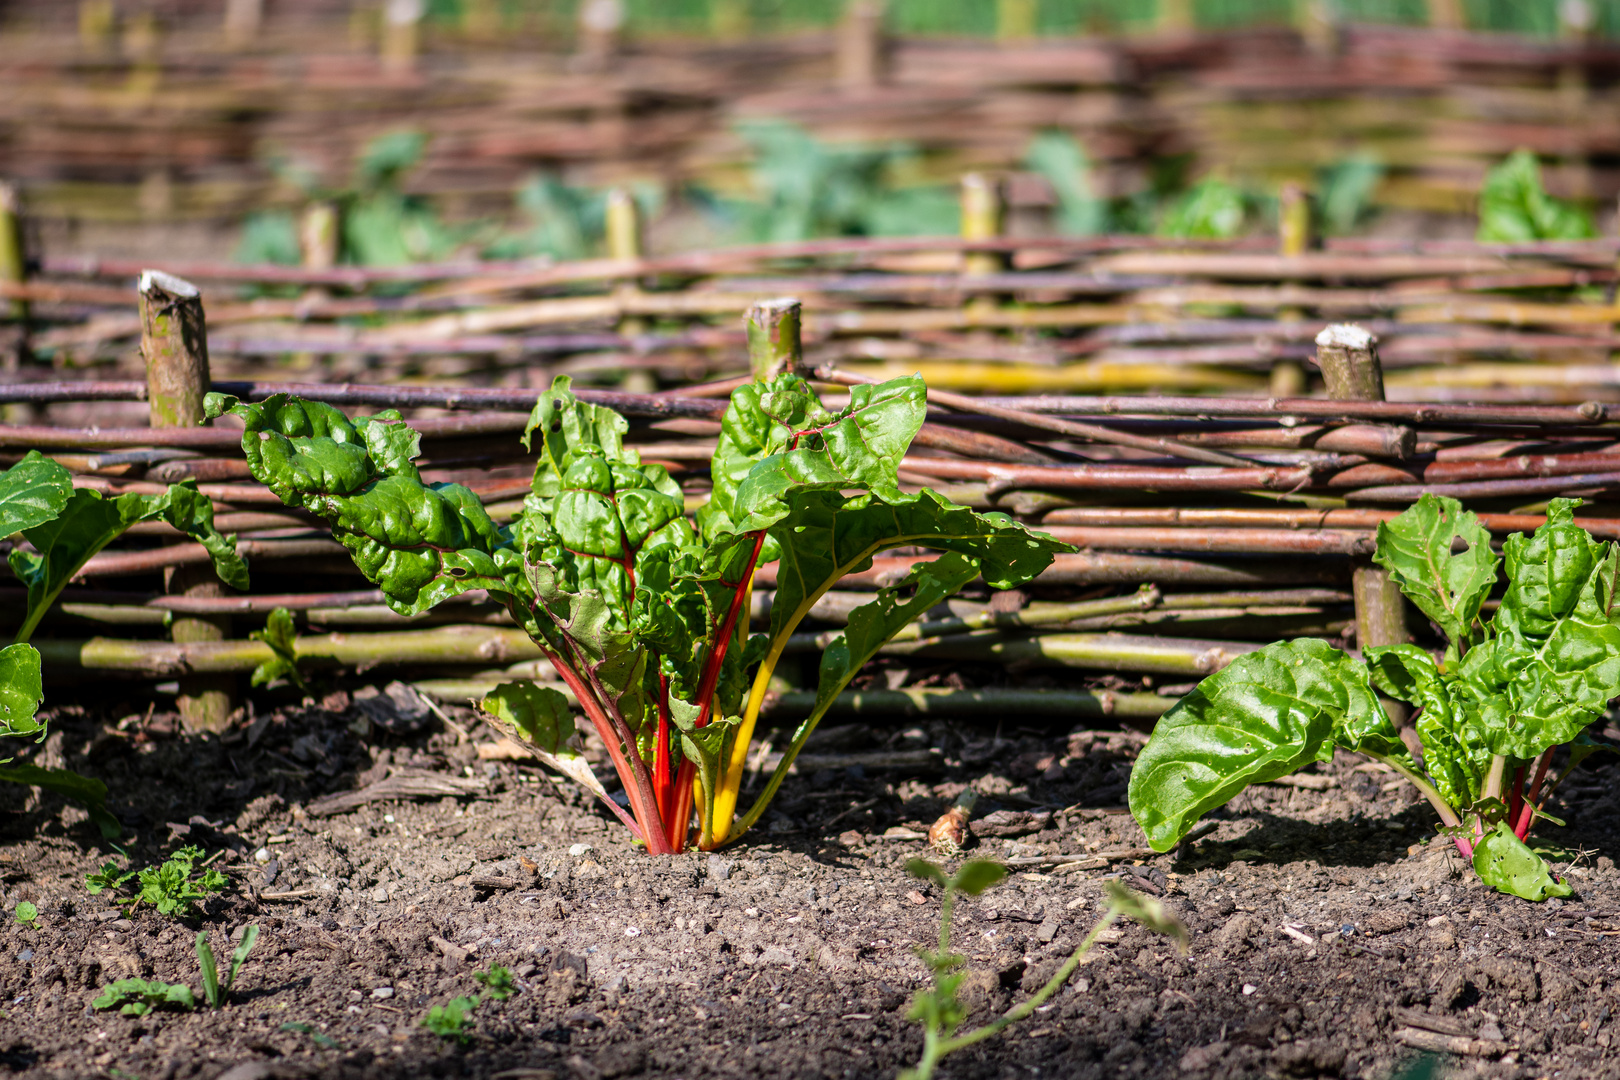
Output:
[[643, 611], [1493, 708]]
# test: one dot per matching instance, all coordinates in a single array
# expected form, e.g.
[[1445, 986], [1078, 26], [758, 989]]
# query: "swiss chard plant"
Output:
[[641, 610], [1506, 693], [62, 527]]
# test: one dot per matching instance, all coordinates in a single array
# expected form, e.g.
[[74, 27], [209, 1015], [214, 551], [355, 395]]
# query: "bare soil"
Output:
[[1329, 924]]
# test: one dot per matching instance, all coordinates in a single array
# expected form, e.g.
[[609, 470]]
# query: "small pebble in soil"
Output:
[[262, 856], [382, 992], [26, 955], [576, 850], [380, 895], [632, 931], [1249, 988]]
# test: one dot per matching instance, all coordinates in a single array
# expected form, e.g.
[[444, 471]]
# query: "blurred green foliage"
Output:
[[1514, 207], [981, 18], [804, 188]]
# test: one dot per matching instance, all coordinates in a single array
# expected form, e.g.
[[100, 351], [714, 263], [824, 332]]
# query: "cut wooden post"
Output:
[[402, 23], [1015, 19], [174, 344], [1293, 239], [623, 227], [318, 236], [243, 20], [600, 23], [773, 338], [981, 220], [1176, 17], [13, 267], [1447, 15], [1348, 357], [859, 61]]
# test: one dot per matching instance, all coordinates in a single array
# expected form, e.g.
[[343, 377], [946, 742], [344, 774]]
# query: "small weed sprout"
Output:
[[137, 997], [452, 1021], [942, 1012], [215, 991], [497, 982], [171, 888], [27, 914]]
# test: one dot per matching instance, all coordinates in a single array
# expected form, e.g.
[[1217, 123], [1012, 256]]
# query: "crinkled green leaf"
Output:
[[1514, 208], [90, 792], [420, 543], [539, 717], [1455, 754], [1265, 715], [1503, 861], [1416, 548], [1554, 660], [282, 636], [858, 448], [32, 492], [87, 523], [21, 691]]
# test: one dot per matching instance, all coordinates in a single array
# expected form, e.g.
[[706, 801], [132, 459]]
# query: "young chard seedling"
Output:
[[941, 1011], [1506, 693], [641, 611]]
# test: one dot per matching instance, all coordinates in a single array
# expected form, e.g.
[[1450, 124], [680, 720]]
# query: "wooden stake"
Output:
[[859, 60], [1293, 239], [402, 21], [600, 24], [13, 266], [1348, 357], [773, 338], [174, 344], [1447, 15], [1015, 20], [243, 20]]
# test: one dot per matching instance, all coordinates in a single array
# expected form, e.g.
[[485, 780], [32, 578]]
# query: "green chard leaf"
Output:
[[1504, 862], [1554, 660], [420, 543], [87, 523], [1265, 715], [21, 691], [32, 492], [541, 719], [1455, 753], [282, 636], [1416, 548]]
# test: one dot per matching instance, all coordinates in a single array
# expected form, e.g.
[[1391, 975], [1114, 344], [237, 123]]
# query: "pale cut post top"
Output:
[[170, 284], [1348, 357], [1346, 336]]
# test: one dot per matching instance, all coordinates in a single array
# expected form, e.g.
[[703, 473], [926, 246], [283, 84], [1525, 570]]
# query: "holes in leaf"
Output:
[[1459, 545], [458, 571]]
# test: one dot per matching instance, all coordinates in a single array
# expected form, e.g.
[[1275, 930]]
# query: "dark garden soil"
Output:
[[1331, 930]]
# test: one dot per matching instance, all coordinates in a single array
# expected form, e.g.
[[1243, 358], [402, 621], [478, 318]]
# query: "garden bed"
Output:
[[1331, 933]]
